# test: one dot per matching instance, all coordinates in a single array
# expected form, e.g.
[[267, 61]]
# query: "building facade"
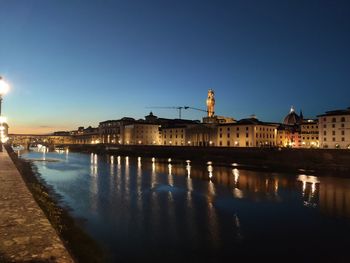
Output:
[[334, 129], [247, 133], [112, 131], [201, 134], [89, 135], [173, 136], [140, 133], [309, 133]]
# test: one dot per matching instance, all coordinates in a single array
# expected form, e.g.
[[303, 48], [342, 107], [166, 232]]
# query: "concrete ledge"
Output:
[[26, 235]]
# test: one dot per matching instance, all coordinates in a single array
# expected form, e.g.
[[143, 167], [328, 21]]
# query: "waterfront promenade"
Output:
[[26, 235]]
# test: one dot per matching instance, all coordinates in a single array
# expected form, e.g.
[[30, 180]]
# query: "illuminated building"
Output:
[[174, 136], [112, 131], [201, 134], [248, 132], [334, 129], [288, 133], [309, 133], [141, 133], [284, 136], [89, 135]]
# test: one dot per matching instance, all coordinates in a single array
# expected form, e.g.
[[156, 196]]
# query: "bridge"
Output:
[[44, 139]]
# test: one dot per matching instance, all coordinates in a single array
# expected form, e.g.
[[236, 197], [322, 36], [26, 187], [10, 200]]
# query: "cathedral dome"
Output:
[[292, 118]]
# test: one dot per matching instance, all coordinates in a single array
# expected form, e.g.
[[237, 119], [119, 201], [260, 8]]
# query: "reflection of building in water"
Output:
[[309, 189], [251, 184], [334, 197], [168, 168], [188, 168], [170, 175], [331, 194], [93, 181], [210, 171], [237, 225]]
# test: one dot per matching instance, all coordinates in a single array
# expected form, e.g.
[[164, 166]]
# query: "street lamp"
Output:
[[4, 88]]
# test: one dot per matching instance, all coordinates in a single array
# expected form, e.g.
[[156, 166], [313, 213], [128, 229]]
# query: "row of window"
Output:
[[333, 125], [171, 136], [334, 119], [259, 135], [258, 144], [170, 131], [247, 128], [333, 139], [333, 133], [312, 138]]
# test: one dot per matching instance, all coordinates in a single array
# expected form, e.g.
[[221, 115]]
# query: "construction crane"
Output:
[[188, 107], [179, 108]]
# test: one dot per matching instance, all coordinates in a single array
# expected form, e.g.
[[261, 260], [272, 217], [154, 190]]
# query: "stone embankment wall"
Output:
[[321, 161], [26, 235]]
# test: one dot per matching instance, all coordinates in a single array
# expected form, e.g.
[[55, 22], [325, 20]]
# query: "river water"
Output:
[[146, 209]]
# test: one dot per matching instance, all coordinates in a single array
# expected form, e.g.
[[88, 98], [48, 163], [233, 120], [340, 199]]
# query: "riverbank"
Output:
[[321, 161], [80, 245], [26, 234]]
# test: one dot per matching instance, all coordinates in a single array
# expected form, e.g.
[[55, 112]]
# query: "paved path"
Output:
[[25, 233]]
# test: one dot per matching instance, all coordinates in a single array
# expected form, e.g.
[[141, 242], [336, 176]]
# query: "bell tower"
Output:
[[210, 103]]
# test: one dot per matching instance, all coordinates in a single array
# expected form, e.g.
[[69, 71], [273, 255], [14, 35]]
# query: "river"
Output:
[[161, 209]]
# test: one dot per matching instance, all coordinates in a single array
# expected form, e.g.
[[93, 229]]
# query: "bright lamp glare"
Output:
[[4, 87], [3, 119]]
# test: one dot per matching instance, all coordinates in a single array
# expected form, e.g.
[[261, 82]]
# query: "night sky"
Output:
[[73, 63]]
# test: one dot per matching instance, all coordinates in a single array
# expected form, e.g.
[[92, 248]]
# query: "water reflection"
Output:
[[111, 166], [93, 182], [210, 170], [188, 168], [334, 196], [146, 203], [309, 194], [139, 162]]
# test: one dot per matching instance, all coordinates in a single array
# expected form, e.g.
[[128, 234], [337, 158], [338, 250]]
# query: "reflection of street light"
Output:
[[4, 88]]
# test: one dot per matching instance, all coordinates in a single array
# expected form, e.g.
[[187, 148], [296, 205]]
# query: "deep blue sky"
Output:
[[74, 63]]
